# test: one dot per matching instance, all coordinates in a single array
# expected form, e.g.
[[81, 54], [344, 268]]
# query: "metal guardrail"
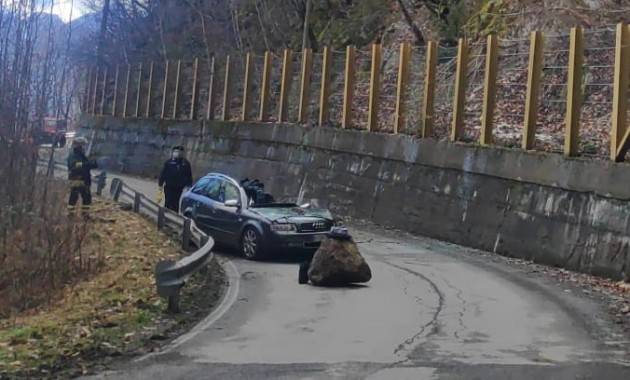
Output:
[[170, 276]]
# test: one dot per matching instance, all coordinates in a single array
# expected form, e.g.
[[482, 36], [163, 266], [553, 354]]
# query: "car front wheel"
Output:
[[251, 247]]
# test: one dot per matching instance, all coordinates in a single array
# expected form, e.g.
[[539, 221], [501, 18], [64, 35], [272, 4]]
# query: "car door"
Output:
[[205, 201], [228, 218], [192, 200]]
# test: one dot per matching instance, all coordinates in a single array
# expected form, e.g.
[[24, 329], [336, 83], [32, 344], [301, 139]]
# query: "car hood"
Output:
[[287, 213]]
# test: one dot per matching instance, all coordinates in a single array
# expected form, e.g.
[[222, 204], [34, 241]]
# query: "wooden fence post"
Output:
[[211, 91], [305, 84], [227, 87], [195, 90], [127, 91], [115, 90], [104, 92], [348, 87], [429, 89], [138, 90], [176, 93], [164, 91], [247, 84], [324, 93], [375, 86], [574, 93], [459, 95], [285, 84], [96, 75], [618, 133], [264, 88], [533, 87], [149, 88], [489, 90], [401, 85]]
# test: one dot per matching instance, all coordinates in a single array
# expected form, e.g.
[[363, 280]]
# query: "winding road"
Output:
[[432, 311]]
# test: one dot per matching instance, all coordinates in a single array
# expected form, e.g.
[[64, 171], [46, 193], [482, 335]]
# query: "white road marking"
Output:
[[226, 303]]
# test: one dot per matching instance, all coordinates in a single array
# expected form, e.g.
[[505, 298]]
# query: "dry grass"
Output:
[[103, 315]]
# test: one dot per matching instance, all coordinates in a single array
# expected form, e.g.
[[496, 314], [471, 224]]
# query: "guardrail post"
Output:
[[489, 90], [305, 84], [375, 84], [136, 202], [459, 97], [103, 92], [115, 90], [117, 190], [211, 91], [176, 93], [348, 87], [429, 89], [401, 85], [324, 94], [618, 134], [161, 218], [149, 88], [195, 90], [102, 181], [164, 91], [173, 303], [186, 235], [247, 84], [533, 88], [127, 91], [264, 88], [227, 87], [285, 84], [139, 89]]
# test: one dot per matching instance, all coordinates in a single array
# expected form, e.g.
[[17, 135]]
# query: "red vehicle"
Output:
[[52, 131]]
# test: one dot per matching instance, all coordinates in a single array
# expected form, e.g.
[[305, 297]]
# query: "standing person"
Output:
[[79, 173], [176, 175]]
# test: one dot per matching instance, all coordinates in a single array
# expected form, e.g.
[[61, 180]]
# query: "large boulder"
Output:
[[338, 262]]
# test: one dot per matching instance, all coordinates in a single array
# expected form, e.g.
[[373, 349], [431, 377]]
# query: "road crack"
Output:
[[408, 344]]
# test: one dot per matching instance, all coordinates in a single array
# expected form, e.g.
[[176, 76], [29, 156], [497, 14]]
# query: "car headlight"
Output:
[[283, 227]]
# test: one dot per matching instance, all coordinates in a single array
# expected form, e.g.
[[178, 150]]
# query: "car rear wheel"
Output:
[[251, 247]]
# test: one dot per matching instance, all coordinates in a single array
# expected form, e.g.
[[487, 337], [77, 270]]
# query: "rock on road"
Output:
[[432, 311]]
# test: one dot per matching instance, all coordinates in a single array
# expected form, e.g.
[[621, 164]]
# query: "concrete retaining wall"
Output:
[[566, 212]]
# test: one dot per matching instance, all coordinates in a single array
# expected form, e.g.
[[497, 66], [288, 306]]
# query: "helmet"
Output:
[[80, 141]]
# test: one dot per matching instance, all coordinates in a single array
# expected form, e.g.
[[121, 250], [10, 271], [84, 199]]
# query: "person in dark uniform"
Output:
[[79, 175], [176, 175]]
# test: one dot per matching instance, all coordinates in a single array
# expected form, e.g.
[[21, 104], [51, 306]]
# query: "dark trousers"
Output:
[[84, 191], [171, 197]]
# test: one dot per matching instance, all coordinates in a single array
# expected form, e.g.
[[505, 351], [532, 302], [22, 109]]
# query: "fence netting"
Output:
[[148, 94]]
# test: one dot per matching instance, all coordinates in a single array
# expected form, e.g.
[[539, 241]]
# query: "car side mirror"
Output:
[[305, 205], [231, 203]]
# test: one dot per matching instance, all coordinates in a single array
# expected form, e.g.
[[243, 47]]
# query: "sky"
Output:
[[67, 9]]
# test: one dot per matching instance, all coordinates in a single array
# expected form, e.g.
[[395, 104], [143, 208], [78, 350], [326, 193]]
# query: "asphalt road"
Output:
[[432, 311]]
